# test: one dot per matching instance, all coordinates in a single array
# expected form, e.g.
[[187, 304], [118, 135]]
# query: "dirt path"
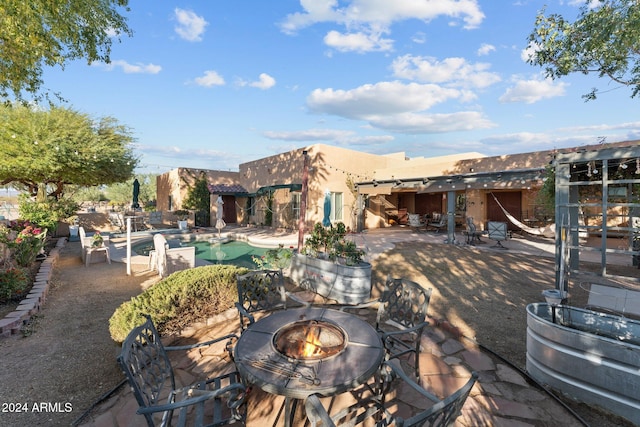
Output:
[[68, 361]]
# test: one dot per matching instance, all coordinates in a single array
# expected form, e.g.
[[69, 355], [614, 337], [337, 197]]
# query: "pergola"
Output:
[[597, 194]]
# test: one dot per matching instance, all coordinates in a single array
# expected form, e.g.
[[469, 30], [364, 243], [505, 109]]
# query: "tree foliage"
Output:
[[604, 40], [39, 33], [122, 193], [198, 197], [44, 150]]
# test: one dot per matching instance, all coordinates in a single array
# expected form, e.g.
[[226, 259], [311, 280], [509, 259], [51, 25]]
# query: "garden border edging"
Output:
[[12, 323]]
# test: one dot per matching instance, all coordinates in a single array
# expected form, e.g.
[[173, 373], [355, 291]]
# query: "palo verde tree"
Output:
[[39, 33], [44, 150], [604, 39]]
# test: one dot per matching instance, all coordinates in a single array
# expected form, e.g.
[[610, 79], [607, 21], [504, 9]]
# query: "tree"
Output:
[[44, 150], [198, 198], [122, 193], [603, 40], [38, 33]]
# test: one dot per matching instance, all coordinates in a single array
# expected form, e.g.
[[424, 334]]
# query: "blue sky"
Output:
[[212, 84]]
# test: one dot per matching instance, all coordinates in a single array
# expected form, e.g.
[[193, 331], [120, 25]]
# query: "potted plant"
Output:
[[73, 227], [332, 266], [182, 216]]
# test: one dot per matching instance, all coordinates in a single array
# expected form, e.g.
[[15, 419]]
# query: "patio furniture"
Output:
[[272, 354], [443, 413], [497, 231], [170, 260], [439, 222], [416, 223], [401, 318], [87, 248], [146, 365], [261, 291], [472, 233]]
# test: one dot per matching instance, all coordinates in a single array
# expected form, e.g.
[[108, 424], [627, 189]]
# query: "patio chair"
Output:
[[416, 223], [260, 291], [146, 365], [472, 233], [443, 412], [438, 223], [401, 318], [169, 260]]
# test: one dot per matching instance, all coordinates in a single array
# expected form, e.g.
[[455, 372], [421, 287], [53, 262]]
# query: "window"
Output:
[[251, 206], [170, 203], [336, 206], [295, 204]]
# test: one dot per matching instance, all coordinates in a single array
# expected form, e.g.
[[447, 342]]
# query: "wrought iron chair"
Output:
[[416, 223], [443, 413], [403, 306], [261, 291], [472, 233], [146, 365]]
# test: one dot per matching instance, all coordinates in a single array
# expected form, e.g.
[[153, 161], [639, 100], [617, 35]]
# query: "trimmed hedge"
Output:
[[185, 297]]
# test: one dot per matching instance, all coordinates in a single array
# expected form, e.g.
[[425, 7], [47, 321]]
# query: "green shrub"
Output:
[[183, 298], [12, 282]]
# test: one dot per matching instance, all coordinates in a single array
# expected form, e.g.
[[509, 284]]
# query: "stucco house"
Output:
[[371, 191]]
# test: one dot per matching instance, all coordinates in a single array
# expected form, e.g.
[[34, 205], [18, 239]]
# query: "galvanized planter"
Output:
[[592, 357], [344, 283]]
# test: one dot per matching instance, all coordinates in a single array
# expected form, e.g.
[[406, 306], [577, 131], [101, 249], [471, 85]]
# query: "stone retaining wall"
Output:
[[13, 322]]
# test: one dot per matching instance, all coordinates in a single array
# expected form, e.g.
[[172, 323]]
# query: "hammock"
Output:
[[546, 231]]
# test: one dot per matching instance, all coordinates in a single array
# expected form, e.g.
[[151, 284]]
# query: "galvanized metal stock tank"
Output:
[[589, 356]]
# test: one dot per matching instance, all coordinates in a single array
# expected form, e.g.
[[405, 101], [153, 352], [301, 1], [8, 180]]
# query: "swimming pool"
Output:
[[232, 252]]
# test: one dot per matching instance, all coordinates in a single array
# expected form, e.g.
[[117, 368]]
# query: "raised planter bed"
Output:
[[590, 356], [343, 283]]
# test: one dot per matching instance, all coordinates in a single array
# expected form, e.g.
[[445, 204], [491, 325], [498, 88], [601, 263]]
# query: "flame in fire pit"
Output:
[[312, 343], [310, 340]]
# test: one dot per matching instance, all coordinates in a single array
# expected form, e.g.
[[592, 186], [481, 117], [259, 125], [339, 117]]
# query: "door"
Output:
[[229, 209]]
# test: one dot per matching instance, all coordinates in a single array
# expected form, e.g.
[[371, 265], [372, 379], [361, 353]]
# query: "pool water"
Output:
[[233, 252]]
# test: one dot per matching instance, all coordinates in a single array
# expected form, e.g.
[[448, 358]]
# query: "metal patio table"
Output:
[[259, 362]]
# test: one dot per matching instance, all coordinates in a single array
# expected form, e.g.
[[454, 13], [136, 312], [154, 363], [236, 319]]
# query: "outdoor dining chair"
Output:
[[146, 365], [261, 291], [401, 318], [443, 412]]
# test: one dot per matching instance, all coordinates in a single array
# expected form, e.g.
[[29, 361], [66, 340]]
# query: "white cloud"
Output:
[[411, 123], [344, 137], [379, 99], [531, 91], [398, 107], [381, 13], [134, 68], [210, 79], [485, 49], [265, 82], [190, 26], [529, 52], [357, 42], [454, 71], [309, 135]]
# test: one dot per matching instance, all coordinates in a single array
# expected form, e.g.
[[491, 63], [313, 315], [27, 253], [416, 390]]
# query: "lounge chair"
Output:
[[169, 260]]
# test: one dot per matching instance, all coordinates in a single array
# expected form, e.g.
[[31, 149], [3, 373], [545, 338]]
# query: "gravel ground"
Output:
[[68, 361]]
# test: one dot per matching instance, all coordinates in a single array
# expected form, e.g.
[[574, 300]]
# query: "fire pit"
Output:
[[310, 340], [302, 351]]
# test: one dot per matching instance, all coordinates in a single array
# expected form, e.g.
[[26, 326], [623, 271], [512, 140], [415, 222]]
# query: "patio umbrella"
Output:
[[136, 193], [220, 224], [326, 221]]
